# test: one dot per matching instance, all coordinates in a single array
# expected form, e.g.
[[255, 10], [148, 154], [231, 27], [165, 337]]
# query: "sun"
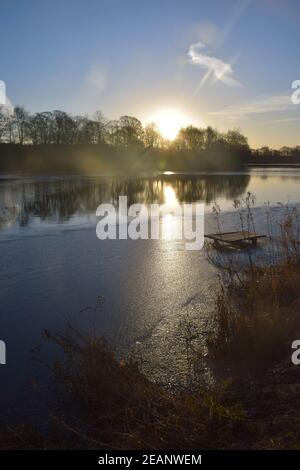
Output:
[[169, 122]]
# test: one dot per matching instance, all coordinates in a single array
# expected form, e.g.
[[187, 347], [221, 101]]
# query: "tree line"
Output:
[[268, 155], [124, 141], [59, 127]]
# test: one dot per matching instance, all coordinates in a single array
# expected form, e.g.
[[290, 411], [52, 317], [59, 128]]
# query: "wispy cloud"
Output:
[[90, 95], [259, 105], [96, 79], [282, 121], [215, 68]]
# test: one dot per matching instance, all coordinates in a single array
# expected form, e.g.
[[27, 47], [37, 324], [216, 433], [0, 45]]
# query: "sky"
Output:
[[224, 63]]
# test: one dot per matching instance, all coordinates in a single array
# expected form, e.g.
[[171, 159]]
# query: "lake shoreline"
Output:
[[247, 409]]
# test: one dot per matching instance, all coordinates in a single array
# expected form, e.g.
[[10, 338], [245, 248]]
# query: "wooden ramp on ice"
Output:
[[234, 238]]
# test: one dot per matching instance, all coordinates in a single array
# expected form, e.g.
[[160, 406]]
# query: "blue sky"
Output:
[[225, 63]]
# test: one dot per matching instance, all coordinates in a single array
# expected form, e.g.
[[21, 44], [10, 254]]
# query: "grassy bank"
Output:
[[102, 158], [107, 404]]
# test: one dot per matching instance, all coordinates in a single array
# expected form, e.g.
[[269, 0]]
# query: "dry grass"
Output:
[[116, 407], [107, 404], [256, 323], [257, 308]]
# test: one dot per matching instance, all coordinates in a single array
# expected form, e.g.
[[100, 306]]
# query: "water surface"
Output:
[[53, 267]]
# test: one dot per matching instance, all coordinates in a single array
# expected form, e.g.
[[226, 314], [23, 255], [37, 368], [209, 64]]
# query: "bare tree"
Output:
[[20, 118], [191, 138], [2, 124], [152, 137], [101, 127], [132, 130]]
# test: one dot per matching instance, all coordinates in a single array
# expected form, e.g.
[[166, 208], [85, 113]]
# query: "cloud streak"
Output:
[[215, 68], [96, 79], [259, 105]]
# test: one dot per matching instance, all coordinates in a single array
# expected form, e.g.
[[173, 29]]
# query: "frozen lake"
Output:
[[54, 267]]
